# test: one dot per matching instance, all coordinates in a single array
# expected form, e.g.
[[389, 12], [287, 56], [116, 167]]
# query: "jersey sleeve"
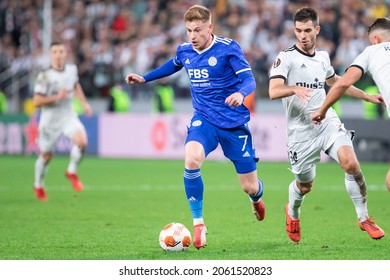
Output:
[[281, 67], [361, 61], [176, 60], [237, 59], [167, 69], [330, 72], [41, 84], [75, 72]]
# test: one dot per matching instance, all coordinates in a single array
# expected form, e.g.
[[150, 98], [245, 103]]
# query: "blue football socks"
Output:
[[193, 185], [259, 194]]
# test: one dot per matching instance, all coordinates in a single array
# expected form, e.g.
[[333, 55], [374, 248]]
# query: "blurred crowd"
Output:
[[109, 38]]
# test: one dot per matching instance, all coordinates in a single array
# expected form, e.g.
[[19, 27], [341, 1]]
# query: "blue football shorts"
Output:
[[237, 143]]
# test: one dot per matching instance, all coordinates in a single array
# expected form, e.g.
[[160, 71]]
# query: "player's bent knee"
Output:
[[193, 163]]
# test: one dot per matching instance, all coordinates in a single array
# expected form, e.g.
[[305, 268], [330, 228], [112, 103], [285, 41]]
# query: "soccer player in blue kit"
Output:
[[220, 79]]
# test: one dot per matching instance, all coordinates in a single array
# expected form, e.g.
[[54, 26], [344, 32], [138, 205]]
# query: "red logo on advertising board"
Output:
[[159, 135]]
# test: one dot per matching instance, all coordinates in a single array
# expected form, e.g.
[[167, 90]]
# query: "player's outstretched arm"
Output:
[[167, 69], [346, 82], [339, 87]]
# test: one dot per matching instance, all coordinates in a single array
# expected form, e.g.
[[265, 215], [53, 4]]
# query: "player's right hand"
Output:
[[87, 109], [318, 116], [303, 93], [132, 79], [62, 94]]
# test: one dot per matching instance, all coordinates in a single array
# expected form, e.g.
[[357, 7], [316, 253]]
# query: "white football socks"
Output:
[[295, 200], [198, 221], [75, 157], [356, 188], [40, 171]]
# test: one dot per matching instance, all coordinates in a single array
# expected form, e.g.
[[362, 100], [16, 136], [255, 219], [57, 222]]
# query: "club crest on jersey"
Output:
[[196, 123], [276, 62], [212, 61]]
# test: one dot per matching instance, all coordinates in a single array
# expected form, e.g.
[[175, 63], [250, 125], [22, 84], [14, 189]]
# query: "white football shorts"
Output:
[[49, 134], [304, 155]]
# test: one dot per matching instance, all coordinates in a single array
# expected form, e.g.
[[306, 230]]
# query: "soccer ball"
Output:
[[175, 237]]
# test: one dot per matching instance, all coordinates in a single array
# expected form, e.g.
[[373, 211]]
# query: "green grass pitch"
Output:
[[126, 202]]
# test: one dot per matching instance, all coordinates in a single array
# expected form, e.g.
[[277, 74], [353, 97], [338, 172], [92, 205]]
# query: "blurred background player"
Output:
[[298, 76], [120, 101], [164, 97], [220, 79], [375, 59], [54, 91], [3, 103]]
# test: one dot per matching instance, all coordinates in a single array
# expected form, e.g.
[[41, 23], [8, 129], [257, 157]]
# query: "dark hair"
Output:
[[380, 23], [55, 43], [306, 14], [197, 12]]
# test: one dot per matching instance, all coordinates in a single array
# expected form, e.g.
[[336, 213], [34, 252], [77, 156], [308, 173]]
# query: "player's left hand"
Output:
[[318, 116], [87, 109], [376, 99], [236, 99]]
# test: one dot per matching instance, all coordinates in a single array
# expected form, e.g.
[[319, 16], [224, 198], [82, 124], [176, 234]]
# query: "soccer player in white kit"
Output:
[[54, 91], [298, 77], [375, 59]]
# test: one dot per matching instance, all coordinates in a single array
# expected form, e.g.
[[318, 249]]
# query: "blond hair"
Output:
[[197, 12]]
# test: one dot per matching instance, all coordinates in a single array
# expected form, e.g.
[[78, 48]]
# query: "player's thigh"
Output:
[[204, 133], [337, 138], [237, 145], [303, 158], [47, 138], [75, 131], [194, 155], [343, 152]]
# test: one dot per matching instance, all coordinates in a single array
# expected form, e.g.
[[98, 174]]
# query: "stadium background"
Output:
[[108, 39]]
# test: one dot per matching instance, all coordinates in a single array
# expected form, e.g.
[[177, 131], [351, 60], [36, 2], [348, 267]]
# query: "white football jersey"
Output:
[[375, 59], [311, 71], [49, 83]]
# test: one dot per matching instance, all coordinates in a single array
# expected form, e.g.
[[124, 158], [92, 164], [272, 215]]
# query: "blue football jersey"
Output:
[[213, 76]]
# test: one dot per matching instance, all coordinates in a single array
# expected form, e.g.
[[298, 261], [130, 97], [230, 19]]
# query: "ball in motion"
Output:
[[175, 237]]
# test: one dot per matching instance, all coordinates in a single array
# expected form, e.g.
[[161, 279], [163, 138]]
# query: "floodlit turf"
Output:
[[126, 202]]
